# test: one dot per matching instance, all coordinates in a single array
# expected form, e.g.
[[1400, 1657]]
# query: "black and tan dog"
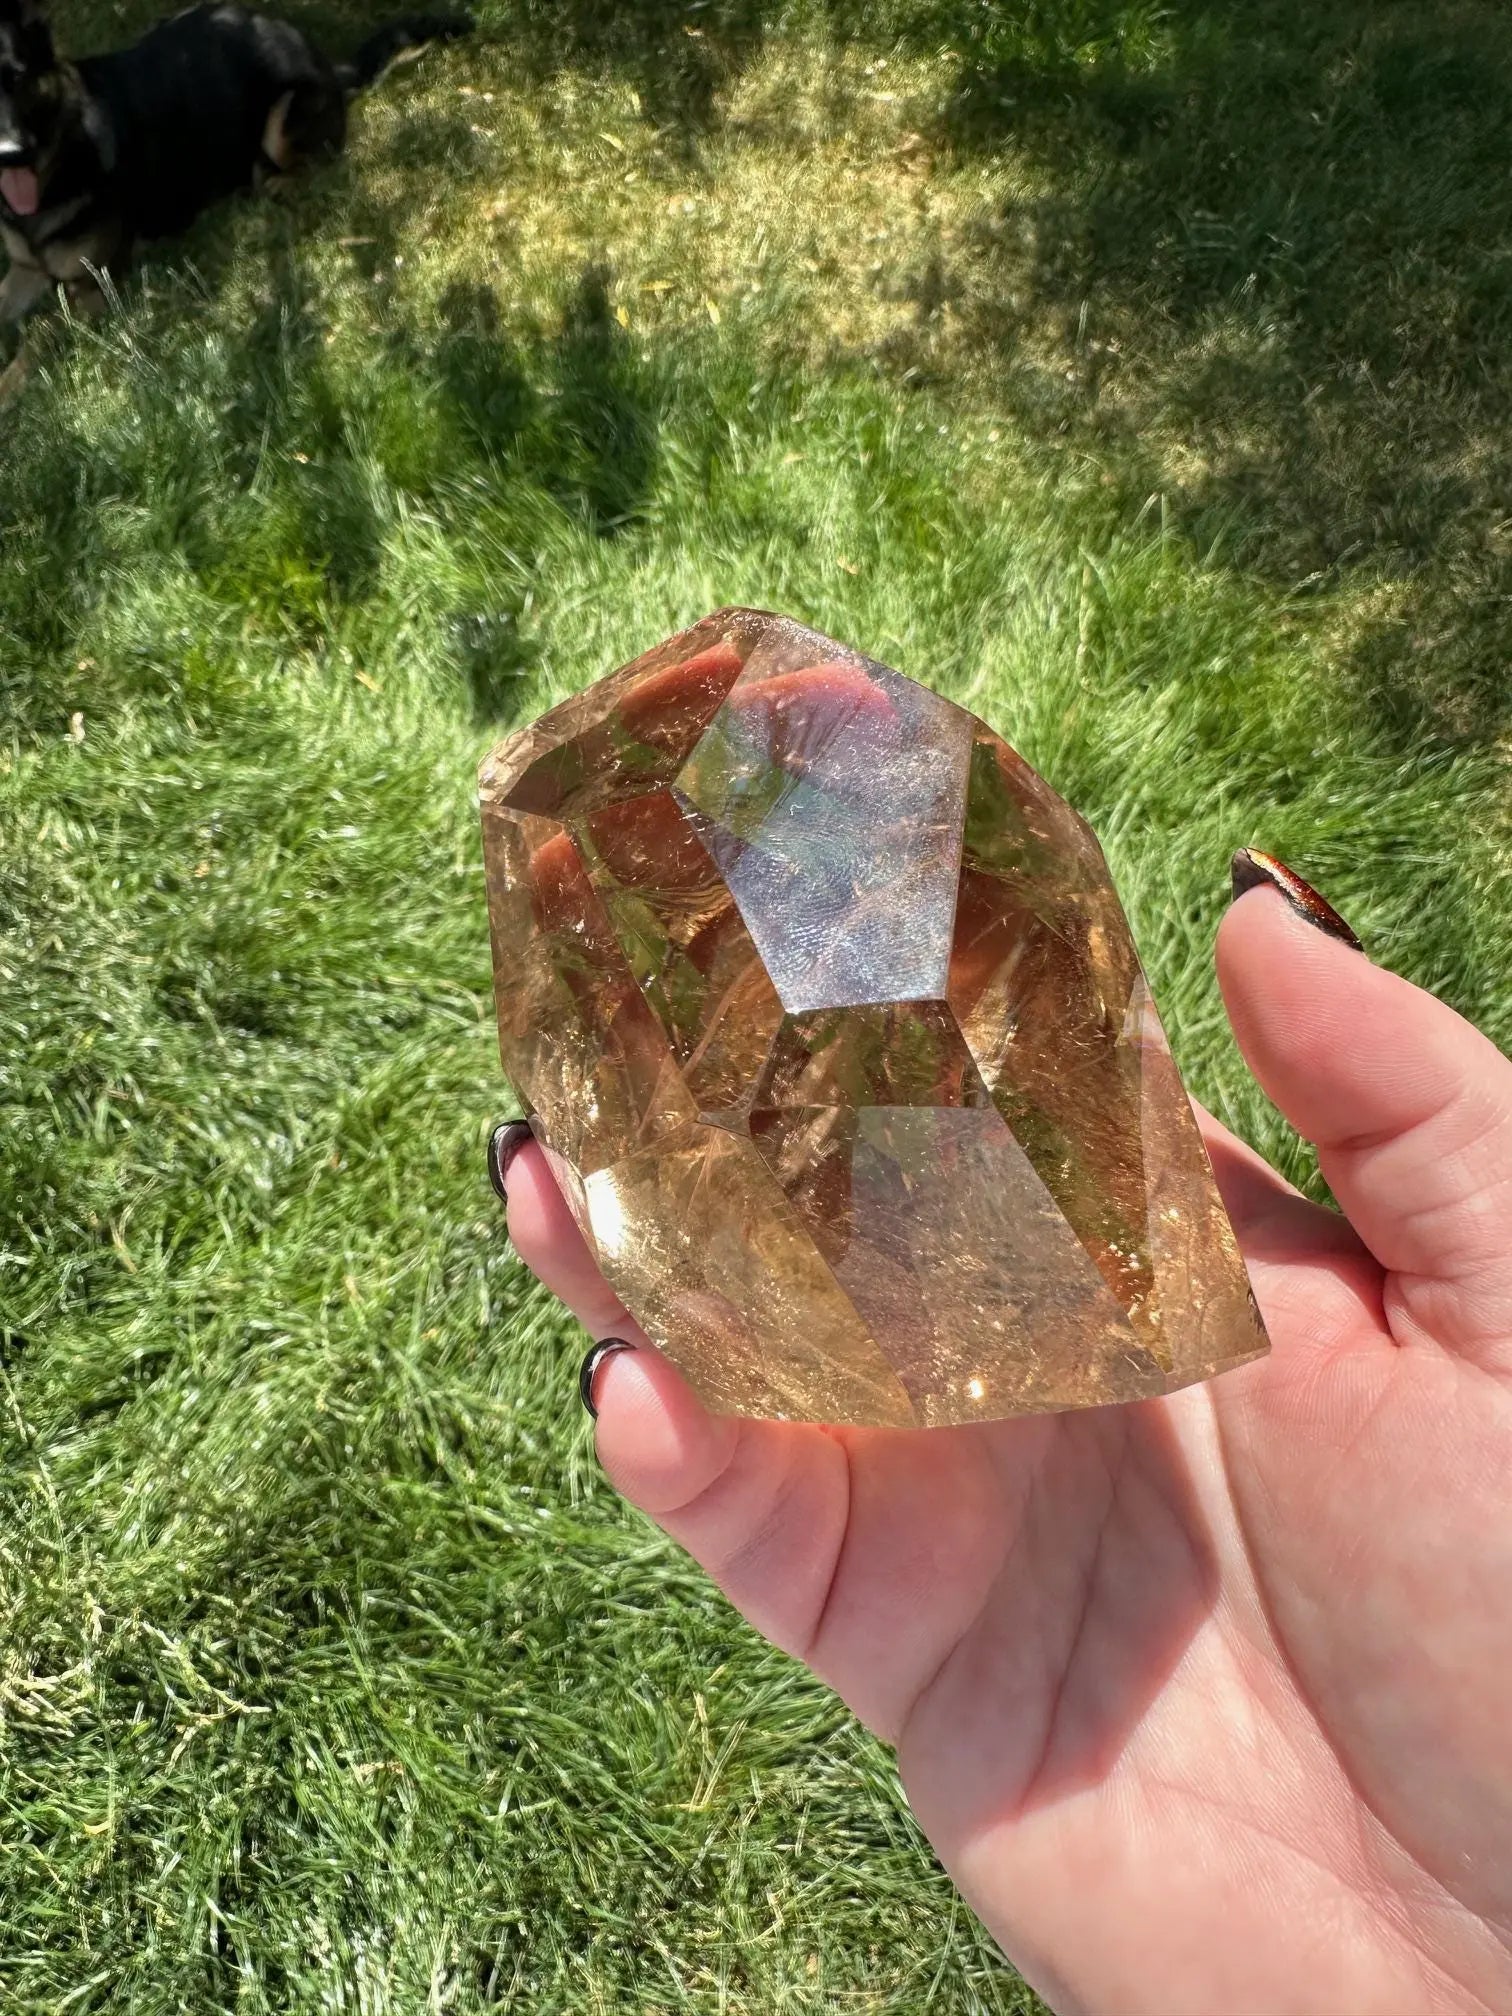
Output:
[[98, 154]]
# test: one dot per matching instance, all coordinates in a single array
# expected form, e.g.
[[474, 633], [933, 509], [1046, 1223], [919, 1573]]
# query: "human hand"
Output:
[[1203, 1701]]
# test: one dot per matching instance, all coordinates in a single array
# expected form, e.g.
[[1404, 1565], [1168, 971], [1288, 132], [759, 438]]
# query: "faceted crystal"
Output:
[[838, 1045]]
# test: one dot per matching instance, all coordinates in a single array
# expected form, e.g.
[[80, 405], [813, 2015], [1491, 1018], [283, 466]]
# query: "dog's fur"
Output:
[[97, 154]]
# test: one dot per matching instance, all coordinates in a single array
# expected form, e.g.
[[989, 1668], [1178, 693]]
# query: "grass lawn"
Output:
[[1140, 375]]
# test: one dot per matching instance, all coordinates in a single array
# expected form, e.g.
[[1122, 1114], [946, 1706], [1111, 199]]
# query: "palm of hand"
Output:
[[1237, 1679], [1201, 1701]]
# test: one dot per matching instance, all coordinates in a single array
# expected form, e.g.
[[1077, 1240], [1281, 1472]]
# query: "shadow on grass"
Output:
[[305, 467], [1274, 244], [577, 416], [595, 450], [1271, 245]]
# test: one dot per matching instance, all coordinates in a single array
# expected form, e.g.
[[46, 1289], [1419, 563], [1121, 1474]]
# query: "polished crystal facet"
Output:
[[837, 1042]]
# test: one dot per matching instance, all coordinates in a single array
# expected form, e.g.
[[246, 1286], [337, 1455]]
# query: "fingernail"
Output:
[[589, 1370], [505, 1142], [1250, 868]]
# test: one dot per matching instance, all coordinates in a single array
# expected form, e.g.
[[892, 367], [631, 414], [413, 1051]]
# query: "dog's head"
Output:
[[30, 99]]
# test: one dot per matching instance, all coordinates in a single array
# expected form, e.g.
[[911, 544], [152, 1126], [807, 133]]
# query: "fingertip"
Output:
[[1291, 988], [1345, 1048], [659, 1445], [1261, 925], [539, 1220]]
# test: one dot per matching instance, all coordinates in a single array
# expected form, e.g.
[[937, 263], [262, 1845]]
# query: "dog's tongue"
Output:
[[19, 188]]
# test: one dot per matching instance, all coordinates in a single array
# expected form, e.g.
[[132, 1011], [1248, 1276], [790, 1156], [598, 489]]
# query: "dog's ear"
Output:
[[24, 24]]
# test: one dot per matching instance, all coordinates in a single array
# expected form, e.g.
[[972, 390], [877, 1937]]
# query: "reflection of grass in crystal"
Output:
[[332, 1674]]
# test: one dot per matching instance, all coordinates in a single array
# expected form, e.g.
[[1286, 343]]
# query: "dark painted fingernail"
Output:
[[1250, 869], [589, 1370], [505, 1142]]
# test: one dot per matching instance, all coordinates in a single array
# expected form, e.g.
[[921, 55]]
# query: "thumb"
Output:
[[1409, 1106]]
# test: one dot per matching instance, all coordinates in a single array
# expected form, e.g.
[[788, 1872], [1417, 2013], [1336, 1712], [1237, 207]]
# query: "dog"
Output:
[[102, 153]]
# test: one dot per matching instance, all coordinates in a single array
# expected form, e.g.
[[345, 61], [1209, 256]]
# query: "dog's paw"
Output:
[[23, 289], [86, 298]]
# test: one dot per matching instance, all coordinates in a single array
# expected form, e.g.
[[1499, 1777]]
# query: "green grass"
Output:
[[1141, 376]]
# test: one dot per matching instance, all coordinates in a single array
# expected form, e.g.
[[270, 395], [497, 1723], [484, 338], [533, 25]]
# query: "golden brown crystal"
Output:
[[836, 1038]]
